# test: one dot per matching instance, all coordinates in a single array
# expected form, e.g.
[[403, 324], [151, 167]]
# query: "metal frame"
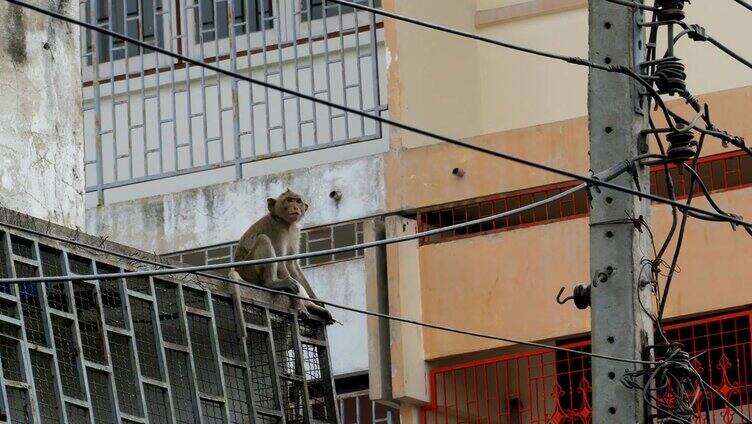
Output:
[[553, 403], [148, 117], [106, 331]]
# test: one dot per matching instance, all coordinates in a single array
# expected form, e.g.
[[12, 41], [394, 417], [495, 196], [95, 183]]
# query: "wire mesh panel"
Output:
[[112, 299], [169, 314], [238, 402], [139, 284], [10, 359], [293, 403], [89, 322], [318, 378], [182, 392], [146, 340], [112, 353], [51, 259], [230, 345], [44, 384], [19, 408], [262, 369], [148, 116], [212, 412], [77, 414], [126, 381], [284, 347], [101, 399], [207, 375], [31, 306], [67, 357], [157, 405]]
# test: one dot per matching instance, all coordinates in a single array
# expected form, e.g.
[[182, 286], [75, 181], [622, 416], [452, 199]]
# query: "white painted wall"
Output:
[[41, 145], [344, 283]]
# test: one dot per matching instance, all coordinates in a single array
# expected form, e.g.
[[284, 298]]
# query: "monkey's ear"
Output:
[[270, 203], [305, 207]]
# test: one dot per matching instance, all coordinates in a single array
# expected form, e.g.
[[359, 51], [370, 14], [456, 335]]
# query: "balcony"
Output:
[[553, 387], [147, 349], [148, 116]]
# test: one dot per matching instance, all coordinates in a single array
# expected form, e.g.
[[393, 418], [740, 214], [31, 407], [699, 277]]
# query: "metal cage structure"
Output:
[[148, 116], [147, 350]]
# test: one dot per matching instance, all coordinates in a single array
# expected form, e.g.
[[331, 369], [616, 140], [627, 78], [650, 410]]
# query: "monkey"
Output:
[[277, 234]]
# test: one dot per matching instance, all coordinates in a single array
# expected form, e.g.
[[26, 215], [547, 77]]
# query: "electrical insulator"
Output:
[[681, 146], [670, 76], [670, 10]]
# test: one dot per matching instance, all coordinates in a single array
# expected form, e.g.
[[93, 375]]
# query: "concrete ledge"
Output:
[[525, 10]]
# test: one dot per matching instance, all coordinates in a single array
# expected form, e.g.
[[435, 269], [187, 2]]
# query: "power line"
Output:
[[345, 307], [365, 245], [407, 127], [614, 171], [670, 116], [745, 4], [441, 28]]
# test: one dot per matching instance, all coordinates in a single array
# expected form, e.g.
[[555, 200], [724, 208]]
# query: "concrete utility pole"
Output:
[[620, 327]]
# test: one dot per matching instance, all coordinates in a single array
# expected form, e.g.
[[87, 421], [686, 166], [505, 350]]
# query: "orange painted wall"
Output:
[[505, 283]]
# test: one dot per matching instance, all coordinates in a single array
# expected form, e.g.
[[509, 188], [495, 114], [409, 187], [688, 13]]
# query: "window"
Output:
[[312, 240], [572, 205], [332, 9], [719, 172], [140, 19], [213, 15]]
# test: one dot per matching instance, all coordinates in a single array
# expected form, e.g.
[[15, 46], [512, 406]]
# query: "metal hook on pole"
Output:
[[580, 296]]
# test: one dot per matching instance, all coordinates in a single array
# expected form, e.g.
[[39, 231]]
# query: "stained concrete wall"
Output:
[[221, 213], [41, 145]]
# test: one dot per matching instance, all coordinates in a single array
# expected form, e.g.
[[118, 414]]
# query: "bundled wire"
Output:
[[673, 374]]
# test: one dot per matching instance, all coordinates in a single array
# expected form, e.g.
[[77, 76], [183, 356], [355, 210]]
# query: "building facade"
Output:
[[171, 349], [180, 160], [502, 277]]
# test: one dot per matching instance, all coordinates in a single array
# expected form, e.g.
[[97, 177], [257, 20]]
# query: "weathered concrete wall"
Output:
[[221, 213], [41, 144]]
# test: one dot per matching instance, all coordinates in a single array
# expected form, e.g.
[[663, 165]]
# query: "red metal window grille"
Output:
[[719, 172], [573, 205], [552, 387]]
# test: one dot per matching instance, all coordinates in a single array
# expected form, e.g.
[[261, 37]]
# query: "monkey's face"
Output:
[[289, 207]]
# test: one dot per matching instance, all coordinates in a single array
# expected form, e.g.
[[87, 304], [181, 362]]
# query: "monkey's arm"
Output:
[[300, 277]]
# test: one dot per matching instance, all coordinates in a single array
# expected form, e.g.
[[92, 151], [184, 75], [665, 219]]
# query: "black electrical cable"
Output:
[[745, 4], [728, 403], [470, 35], [569, 59], [328, 303], [729, 52], [680, 236], [697, 33], [407, 127]]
